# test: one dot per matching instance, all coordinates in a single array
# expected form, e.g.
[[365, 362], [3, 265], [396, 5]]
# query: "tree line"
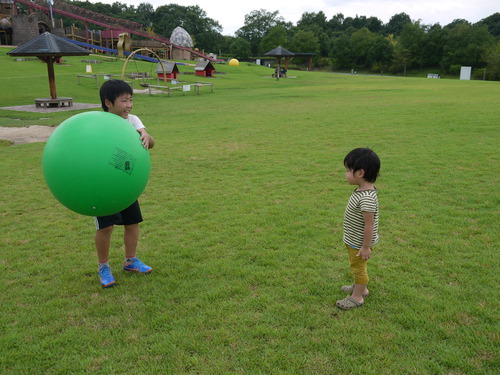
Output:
[[340, 43]]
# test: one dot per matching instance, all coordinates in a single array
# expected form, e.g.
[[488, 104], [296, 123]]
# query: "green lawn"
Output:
[[243, 225]]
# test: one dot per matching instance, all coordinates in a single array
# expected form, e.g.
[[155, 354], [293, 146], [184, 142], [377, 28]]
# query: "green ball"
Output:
[[94, 164]]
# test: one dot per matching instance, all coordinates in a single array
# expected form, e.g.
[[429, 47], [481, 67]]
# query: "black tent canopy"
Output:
[[280, 52], [49, 48]]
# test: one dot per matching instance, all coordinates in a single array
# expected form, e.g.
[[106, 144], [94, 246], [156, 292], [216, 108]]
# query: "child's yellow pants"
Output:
[[358, 266]]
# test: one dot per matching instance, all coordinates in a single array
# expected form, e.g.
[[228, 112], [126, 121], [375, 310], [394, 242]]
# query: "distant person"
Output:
[[360, 222], [116, 98]]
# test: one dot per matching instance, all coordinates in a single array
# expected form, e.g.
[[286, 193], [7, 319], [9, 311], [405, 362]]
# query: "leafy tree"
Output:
[[457, 21], [336, 23], [121, 9], [305, 41], [145, 14], [225, 45], [257, 24], [240, 48], [342, 52], [361, 41], [396, 23], [277, 36], [313, 19], [466, 45], [493, 23], [380, 53], [317, 23], [432, 48], [191, 18], [373, 23], [349, 23], [492, 58], [413, 39], [401, 59]]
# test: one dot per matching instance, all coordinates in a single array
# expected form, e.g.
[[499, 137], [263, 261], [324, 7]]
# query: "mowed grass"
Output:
[[243, 225]]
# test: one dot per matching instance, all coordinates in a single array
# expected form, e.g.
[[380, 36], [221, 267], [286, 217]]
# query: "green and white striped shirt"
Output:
[[354, 224]]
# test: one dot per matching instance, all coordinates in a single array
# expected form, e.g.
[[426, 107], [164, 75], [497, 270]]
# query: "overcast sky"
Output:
[[231, 14]]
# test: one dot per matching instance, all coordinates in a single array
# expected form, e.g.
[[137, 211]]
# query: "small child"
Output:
[[116, 98], [360, 222]]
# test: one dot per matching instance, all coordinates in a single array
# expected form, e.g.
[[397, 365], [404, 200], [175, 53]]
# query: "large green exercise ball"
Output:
[[94, 164]]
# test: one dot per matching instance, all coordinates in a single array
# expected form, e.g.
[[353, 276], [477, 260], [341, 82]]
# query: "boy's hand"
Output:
[[146, 140], [365, 253]]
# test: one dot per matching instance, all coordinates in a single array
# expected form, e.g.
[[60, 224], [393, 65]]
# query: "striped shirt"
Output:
[[354, 224]]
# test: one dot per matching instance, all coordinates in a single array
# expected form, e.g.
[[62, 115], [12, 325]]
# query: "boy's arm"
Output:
[[147, 140], [369, 219]]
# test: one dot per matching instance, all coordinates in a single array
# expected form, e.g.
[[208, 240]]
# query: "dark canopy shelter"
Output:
[[308, 56], [280, 52], [49, 48]]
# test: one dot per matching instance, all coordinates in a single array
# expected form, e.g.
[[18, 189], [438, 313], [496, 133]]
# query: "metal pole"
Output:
[[51, 15]]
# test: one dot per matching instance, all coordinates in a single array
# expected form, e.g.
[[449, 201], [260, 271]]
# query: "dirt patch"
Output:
[[29, 134]]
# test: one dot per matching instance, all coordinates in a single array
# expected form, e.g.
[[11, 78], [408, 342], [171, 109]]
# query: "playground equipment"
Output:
[[143, 84], [112, 26], [124, 44]]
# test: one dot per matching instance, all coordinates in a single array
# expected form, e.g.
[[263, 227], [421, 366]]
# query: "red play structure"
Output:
[[112, 25]]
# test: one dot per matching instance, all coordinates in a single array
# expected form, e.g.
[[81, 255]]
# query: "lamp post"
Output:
[[51, 15]]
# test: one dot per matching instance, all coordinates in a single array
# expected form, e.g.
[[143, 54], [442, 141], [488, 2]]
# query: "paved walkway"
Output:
[[35, 133], [33, 108]]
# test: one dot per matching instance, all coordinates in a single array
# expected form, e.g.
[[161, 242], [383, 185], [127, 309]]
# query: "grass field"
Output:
[[243, 225]]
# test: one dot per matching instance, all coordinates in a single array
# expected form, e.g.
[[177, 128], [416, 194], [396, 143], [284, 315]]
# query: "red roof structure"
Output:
[[169, 70], [204, 69]]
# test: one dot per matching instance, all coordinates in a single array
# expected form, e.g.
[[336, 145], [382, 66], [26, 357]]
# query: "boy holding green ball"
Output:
[[116, 98]]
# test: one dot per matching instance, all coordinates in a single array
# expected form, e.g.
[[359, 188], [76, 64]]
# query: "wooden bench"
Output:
[[94, 76], [138, 75], [197, 85], [168, 89], [57, 102]]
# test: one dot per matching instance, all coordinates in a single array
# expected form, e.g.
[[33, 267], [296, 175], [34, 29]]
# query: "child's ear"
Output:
[[360, 173], [108, 103]]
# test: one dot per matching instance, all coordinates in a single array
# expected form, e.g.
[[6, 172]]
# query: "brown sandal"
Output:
[[348, 303]]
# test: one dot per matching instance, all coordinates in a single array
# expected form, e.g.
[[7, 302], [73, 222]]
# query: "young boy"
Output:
[[116, 98], [360, 222]]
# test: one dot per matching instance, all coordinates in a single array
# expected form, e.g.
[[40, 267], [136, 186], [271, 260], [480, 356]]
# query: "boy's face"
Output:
[[122, 105], [354, 178]]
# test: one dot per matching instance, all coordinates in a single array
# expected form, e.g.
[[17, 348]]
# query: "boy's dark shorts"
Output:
[[130, 215]]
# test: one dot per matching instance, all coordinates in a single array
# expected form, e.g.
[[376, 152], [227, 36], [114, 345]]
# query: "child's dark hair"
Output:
[[112, 89], [365, 159]]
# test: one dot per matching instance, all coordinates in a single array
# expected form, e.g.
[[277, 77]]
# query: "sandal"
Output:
[[348, 303], [350, 288]]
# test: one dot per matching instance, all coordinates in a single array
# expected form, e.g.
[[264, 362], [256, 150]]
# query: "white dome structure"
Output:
[[181, 38]]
